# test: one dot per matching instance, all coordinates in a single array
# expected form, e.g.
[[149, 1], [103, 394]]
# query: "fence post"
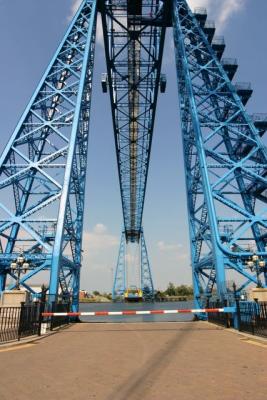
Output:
[[53, 309], [21, 319], [41, 309], [227, 318], [237, 315]]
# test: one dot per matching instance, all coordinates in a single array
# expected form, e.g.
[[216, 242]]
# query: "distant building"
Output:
[[83, 294]]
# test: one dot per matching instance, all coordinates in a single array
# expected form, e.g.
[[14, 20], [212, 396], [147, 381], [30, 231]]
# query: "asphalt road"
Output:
[[148, 361]]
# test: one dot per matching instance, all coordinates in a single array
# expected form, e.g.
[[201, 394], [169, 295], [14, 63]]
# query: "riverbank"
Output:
[[104, 299]]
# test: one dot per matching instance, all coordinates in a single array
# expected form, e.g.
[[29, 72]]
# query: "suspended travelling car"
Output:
[[133, 294]]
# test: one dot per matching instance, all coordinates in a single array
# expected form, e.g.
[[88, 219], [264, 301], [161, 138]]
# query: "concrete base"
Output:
[[258, 293], [13, 298]]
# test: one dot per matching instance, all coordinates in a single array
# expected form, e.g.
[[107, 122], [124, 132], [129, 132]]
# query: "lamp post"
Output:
[[257, 264], [19, 266]]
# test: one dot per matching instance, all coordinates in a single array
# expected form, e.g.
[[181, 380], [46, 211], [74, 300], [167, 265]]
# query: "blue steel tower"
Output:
[[134, 40], [225, 161], [43, 167]]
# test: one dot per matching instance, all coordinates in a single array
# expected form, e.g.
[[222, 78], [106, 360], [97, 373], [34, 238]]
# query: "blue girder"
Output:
[[225, 163], [134, 48], [121, 283], [43, 167]]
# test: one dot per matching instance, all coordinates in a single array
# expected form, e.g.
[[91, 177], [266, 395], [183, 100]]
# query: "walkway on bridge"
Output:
[[170, 361]]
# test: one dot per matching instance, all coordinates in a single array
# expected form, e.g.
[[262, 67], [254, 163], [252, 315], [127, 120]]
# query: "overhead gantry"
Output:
[[134, 34]]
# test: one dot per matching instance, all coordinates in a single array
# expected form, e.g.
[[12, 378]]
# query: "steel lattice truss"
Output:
[[42, 169], [134, 54], [119, 285], [225, 161], [120, 278]]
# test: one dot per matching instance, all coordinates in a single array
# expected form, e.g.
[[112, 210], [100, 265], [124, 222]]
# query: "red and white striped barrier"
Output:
[[133, 312]]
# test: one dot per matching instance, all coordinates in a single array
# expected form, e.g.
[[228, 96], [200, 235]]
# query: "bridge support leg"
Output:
[[75, 291], [146, 276], [2, 281], [119, 285]]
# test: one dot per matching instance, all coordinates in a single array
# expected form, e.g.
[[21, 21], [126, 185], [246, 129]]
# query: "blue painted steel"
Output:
[[146, 275], [133, 48], [225, 164], [119, 285], [120, 278], [43, 167]]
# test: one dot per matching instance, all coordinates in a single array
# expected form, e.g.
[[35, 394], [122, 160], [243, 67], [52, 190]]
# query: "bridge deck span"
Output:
[[170, 361]]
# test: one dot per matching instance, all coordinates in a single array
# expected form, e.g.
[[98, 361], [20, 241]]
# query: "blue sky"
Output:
[[30, 31]]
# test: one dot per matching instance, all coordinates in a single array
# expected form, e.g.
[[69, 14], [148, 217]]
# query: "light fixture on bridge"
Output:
[[19, 266], [256, 264]]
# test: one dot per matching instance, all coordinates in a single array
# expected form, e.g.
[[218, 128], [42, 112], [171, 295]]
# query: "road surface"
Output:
[[148, 361]]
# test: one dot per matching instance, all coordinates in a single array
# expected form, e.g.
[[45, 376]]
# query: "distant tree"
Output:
[[96, 293], [181, 290], [159, 294], [171, 290], [184, 290]]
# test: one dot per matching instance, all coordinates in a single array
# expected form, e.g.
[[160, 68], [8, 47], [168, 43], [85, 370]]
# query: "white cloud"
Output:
[[162, 246], [100, 228], [221, 10], [74, 7], [99, 239], [99, 258], [228, 8]]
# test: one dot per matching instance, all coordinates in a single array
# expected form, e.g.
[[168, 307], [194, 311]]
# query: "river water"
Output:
[[138, 306]]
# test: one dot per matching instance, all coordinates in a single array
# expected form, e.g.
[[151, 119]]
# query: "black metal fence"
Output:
[[222, 319], [253, 318], [18, 322], [58, 321], [51, 303], [9, 323], [27, 320]]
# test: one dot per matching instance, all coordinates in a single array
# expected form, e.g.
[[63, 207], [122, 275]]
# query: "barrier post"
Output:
[[42, 309], [21, 319]]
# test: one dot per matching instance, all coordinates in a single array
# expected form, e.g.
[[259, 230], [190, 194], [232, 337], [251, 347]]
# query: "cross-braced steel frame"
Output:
[[134, 55], [121, 273], [43, 167], [225, 163]]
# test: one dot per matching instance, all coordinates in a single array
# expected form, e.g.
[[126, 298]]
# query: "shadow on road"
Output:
[[139, 383]]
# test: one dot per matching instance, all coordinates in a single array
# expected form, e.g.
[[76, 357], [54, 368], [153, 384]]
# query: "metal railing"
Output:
[[59, 321], [26, 320], [50, 303], [222, 319], [240, 86], [253, 318], [18, 322], [29, 320], [229, 61], [9, 323], [218, 41], [200, 11]]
